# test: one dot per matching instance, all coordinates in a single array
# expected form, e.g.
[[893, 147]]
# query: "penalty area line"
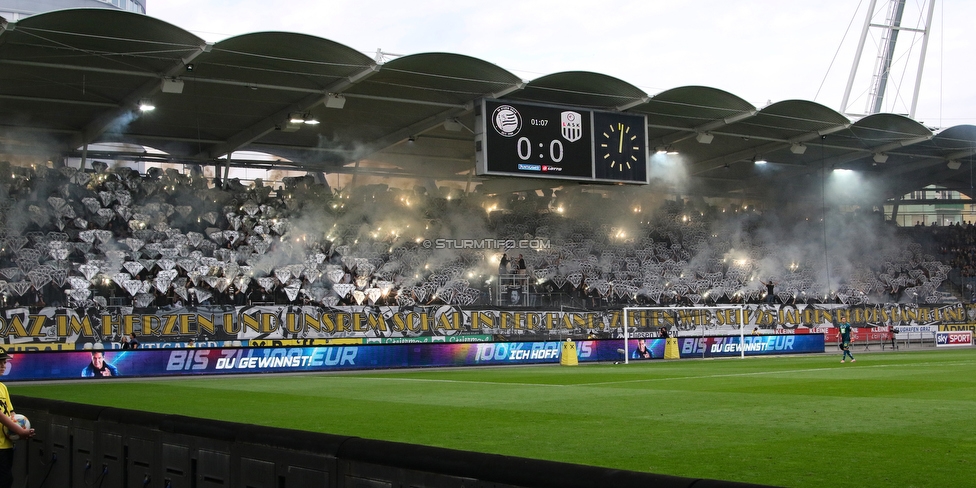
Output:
[[759, 373]]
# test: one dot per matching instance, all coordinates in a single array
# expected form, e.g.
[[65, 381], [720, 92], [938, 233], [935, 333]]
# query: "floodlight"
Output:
[[296, 120], [172, 85], [797, 148], [335, 100], [880, 158], [146, 105], [453, 125], [704, 138], [953, 164]]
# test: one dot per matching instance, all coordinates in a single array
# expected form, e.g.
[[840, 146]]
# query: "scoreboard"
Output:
[[546, 141]]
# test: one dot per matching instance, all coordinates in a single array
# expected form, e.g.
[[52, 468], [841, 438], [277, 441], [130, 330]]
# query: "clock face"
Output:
[[621, 147]]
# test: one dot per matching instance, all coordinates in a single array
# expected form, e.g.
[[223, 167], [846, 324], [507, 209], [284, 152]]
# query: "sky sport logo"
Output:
[[956, 338], [499, 244]]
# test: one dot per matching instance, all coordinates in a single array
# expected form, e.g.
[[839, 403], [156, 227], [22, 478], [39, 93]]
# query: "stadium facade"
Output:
[[14, 10]]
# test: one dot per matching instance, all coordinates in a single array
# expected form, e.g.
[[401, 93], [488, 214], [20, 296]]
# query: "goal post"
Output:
[[686, 321]]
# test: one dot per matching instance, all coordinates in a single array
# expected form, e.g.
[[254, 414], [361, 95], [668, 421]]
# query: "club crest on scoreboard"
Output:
[[571, 125], [506, 120]]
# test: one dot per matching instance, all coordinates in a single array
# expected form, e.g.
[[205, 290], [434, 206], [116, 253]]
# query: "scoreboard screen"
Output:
[[544, 141]]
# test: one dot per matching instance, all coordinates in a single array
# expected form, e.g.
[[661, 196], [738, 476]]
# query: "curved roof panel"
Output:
[[73, 77], [439, 77], [693, 107], [581, 88], [301, 60], [62, 70]]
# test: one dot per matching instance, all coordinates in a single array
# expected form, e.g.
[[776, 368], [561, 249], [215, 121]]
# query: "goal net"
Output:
[[642, 324]]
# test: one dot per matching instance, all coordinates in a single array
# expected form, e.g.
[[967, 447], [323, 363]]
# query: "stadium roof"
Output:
[[74, 77]]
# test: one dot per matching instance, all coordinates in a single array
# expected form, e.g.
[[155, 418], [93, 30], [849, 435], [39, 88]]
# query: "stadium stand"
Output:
[[95, 239]]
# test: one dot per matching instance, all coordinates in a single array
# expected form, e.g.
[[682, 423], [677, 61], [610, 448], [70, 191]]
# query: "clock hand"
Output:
[[621, 148]]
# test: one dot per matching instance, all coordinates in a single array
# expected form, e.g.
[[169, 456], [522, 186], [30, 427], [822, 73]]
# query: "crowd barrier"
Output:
[[81, 445]]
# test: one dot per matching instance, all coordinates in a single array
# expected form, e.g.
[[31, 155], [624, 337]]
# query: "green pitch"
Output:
[[890, 419]]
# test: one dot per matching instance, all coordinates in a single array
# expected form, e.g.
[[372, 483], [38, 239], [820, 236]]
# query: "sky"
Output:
[[763, 51]]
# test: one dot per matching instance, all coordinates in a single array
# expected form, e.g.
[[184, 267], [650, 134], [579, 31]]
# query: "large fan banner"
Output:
[[67, 329]]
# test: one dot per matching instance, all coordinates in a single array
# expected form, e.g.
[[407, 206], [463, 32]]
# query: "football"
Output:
[[22, 421]]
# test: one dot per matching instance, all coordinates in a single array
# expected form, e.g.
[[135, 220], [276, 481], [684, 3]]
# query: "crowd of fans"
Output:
[[956, 246], [106, 237]]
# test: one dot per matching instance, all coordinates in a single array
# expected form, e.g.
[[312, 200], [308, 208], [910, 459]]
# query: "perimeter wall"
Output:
[[83, 446]]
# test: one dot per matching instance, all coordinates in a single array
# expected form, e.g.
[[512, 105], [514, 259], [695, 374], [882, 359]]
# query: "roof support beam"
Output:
[[429, 123], [719, 162], [682, 133], [636, 103], [269, 123], [75, 67], [101, 123], [4, 28], [832, 163], [59, 101], [855, 155]]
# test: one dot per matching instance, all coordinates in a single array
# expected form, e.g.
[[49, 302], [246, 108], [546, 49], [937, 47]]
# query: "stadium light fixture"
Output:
[[146, 105], [296, 120], [759, 160], [953, 164], [704, 137], [453, 125], [797, 148], [880, 158], [335, 100], [172, 85]]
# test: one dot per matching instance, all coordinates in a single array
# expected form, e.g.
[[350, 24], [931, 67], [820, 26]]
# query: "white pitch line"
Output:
[[788, 371], [647, 380]]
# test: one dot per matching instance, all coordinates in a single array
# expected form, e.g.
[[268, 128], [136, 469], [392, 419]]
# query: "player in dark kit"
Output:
[[845, 341]]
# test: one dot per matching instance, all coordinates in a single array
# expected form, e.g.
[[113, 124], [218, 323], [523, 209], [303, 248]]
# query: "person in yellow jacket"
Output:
[[6, 418]]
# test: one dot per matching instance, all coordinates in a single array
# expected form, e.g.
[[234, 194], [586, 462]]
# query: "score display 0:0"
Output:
[[524, 149]]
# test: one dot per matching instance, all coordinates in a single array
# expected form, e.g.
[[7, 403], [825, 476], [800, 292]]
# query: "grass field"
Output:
[[890, 419]]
